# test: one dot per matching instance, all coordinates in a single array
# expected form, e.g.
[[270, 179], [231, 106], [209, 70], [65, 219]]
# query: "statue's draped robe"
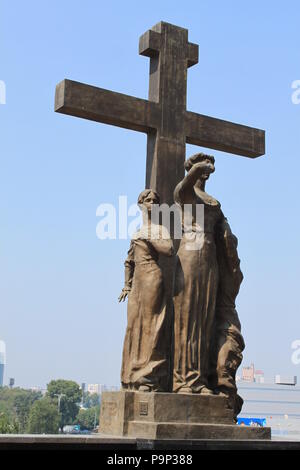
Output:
[[147, 340], [228, 342], [195, 295], [208, 343]]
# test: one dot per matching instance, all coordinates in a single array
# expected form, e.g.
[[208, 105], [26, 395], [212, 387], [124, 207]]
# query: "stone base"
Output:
[[172, 416], [104, 444]]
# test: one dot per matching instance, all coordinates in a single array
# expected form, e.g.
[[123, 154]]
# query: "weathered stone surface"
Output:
[[195, 431], [117, 444], [172, 416], [146, 363], [116, 411], [208, 343]]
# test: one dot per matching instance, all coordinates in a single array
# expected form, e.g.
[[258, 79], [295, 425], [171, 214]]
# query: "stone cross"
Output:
[[163, 117]]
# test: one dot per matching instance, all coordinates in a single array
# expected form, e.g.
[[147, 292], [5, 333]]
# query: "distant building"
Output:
[[2, 361], [248, 373], [278, 404], [259, 376], [95, 388], [286, 380], [110, 388], [99, 388]]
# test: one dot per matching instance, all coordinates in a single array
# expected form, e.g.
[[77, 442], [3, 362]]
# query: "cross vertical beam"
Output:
[[170, 55], [163, 117]]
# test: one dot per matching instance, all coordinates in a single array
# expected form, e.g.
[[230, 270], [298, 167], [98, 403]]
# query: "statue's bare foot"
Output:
[[185, 390], [144, 388], [206, 391]]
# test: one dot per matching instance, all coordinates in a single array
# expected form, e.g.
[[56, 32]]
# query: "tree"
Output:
[[68, 394], [91, 399], [7, 426], [89, 418], [15, 403], [44, 417], [23, 402]]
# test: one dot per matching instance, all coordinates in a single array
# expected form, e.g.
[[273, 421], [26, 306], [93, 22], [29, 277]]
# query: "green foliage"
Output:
[[91, 399], [44, 417], [7, 426], [15, 403], [24, 411], [69, 394], [23, 403], [89, 418]]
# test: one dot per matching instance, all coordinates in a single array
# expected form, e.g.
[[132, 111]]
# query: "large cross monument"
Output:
[[183, 385], [163, 117]]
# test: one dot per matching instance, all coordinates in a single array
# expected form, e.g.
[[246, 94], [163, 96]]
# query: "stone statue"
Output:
[[208, 345], [145, 363], [228, 343], [201, 342], [207, 339], [195, 365]]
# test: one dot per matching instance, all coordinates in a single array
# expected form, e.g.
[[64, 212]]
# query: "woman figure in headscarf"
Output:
[[207, 339], [146, 352]]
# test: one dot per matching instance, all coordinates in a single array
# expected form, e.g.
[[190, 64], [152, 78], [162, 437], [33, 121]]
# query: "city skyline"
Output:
[[245, 373]]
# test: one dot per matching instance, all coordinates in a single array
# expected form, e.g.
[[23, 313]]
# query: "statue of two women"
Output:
[[146, 352], [207, 342]]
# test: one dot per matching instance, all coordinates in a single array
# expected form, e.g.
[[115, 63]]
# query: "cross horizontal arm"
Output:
[[96, 104], [217, 134]]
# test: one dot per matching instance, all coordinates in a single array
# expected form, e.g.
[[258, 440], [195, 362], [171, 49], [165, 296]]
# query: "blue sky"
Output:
[[59, 284]]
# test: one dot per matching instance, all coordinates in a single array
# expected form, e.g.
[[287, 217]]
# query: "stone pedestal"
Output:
[[172, 416]]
